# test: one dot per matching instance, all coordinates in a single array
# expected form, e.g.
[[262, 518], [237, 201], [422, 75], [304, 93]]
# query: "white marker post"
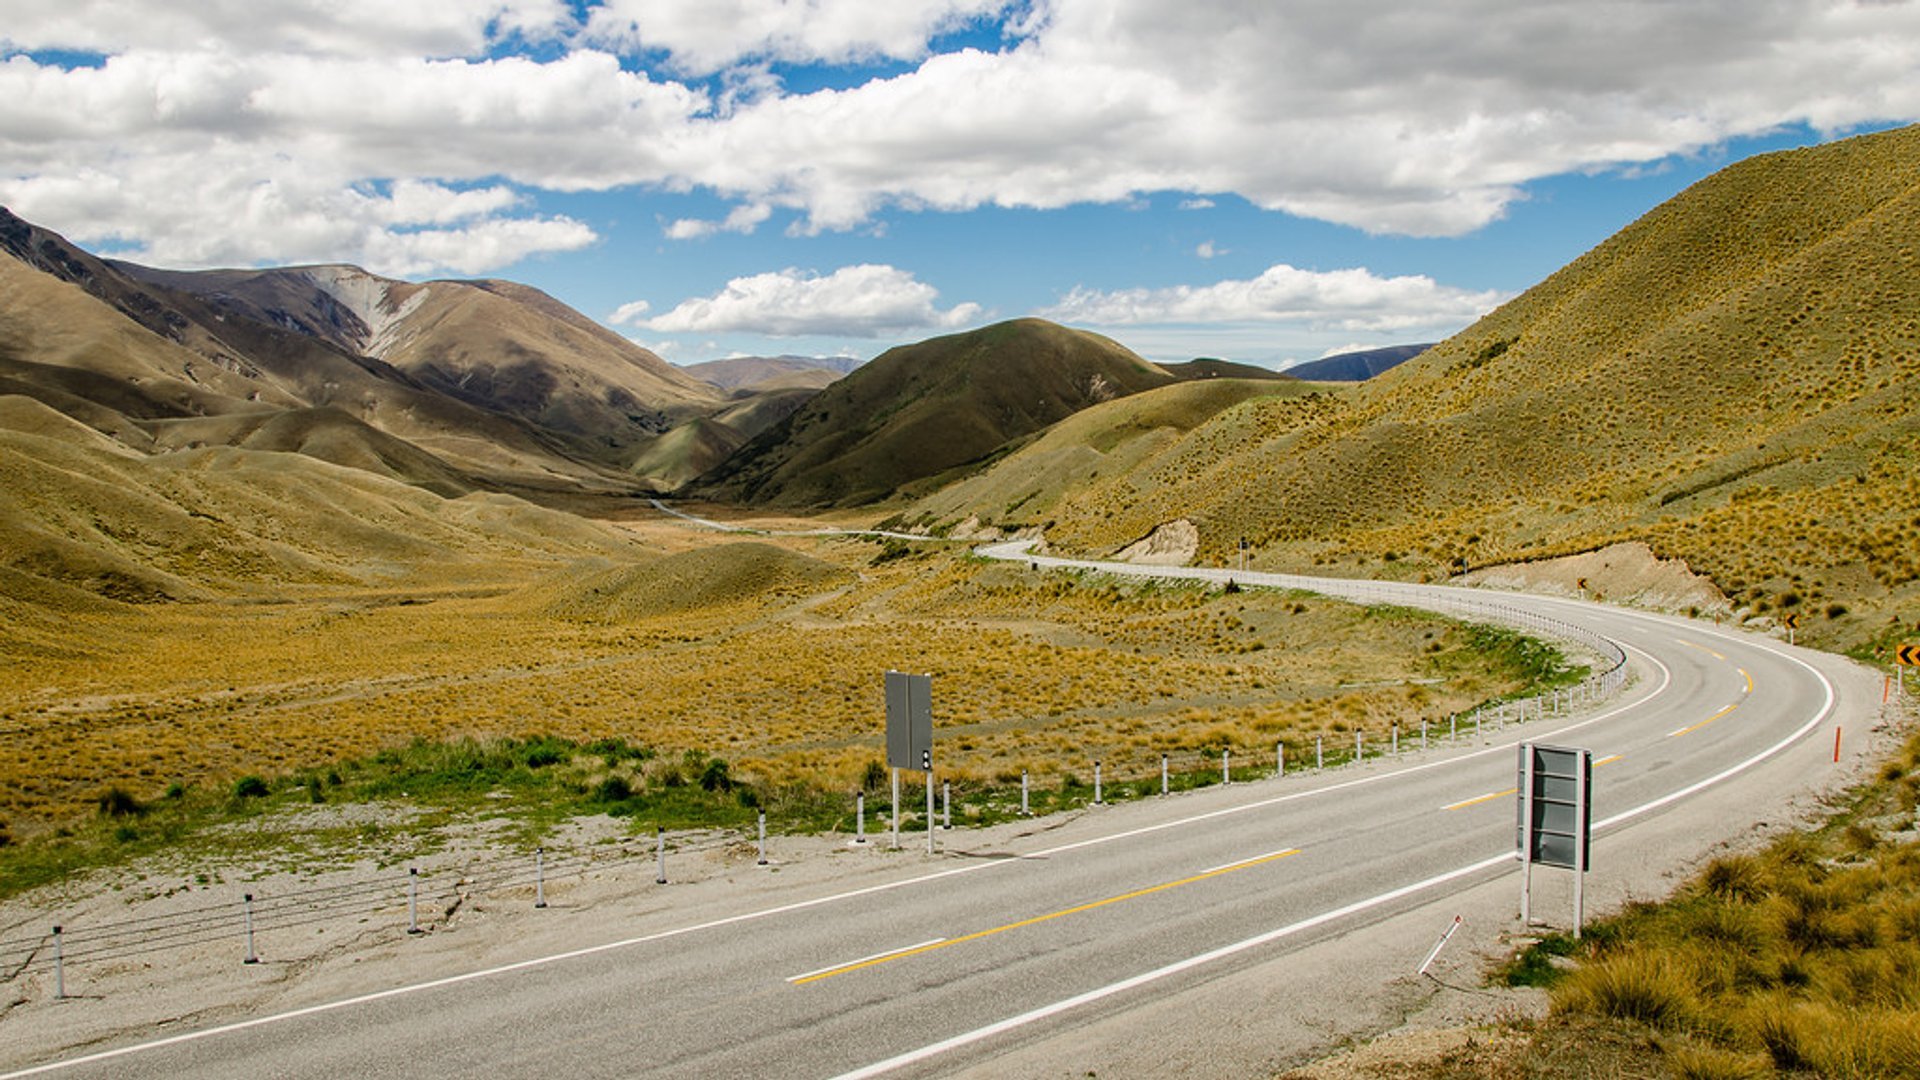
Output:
[[859, 817], [1441, 944], [896, 809]]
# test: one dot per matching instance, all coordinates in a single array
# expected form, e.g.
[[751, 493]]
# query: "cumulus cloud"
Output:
[[743, 219], [705, 36], [1426, 120], [1346, 300], [629, 312], [1207, 250], [854, 301]]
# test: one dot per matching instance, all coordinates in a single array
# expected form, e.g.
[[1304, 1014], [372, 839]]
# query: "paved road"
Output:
[[1199, 932]]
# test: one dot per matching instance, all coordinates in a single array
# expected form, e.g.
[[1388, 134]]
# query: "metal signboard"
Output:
[[1554, 818], [1554, 801], [909, 721]]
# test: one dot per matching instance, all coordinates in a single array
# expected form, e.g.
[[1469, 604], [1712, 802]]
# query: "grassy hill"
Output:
[[1732, 379], [1023, 489], [918, 411], [83, 517]]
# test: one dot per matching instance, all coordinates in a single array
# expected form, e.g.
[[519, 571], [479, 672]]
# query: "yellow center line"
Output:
[[1703, 723], [1702, 648], [1478, 799], [1749, 678], [931, 946], [1608, 760]]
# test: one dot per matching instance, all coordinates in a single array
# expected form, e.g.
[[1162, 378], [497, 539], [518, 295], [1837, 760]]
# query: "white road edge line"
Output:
[[1175, 968], [1009, 1024], [1666, 679], [1243, 862], [864, 959]]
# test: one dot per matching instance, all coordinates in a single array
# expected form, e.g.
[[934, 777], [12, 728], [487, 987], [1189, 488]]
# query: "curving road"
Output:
[[1228, 930]]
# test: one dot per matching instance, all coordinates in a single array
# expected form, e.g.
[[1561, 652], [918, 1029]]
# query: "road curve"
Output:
[[1228, 930]]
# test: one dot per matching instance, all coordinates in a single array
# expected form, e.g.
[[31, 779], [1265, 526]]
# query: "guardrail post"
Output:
[[660, 853], [1096, 783], [762, 860], [539, 877], [246, 908], [1024, 812], [859, 817], [413, 899], [59, 966]]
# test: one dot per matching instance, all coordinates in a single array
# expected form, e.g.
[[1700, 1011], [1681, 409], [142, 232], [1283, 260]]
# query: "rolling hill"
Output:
[[1357, 366], [754, 373], [1734, 380], [918, 411]]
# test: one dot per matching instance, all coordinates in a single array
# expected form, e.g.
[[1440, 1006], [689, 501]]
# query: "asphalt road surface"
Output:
[[1225, 931]]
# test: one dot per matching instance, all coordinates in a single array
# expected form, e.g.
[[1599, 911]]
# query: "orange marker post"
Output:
[[1836, 746]]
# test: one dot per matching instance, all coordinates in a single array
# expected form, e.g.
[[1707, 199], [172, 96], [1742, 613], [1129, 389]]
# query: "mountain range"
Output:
[[1729, 380]]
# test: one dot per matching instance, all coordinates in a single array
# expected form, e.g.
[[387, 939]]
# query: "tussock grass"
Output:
[[1800, 959]]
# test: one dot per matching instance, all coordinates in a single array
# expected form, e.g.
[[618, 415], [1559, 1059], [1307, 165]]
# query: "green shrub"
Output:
[[250, 787], [117, 802]]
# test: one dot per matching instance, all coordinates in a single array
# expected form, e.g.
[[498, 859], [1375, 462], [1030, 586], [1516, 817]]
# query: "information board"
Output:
[[909, 721]]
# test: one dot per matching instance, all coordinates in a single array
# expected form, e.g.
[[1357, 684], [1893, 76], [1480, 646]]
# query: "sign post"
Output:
[[1554, 819], [910, 737]]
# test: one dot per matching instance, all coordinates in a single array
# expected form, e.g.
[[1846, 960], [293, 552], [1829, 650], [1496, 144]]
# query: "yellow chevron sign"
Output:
[[1908, 655]]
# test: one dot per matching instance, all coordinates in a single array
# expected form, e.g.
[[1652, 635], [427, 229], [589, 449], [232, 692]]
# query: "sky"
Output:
[[1263, 181]]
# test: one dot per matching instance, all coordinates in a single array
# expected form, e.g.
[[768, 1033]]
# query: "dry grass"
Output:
[[1038, 671], [1803, 959]]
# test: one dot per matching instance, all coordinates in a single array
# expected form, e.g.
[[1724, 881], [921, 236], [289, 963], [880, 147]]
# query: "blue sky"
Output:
[[1258, 181]]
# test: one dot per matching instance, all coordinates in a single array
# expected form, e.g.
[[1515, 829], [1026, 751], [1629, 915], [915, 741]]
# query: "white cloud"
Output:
[[706, 36], [1201, 203], [854, 301], [1344, 300], [742, 219], [1207, 250], [1418, 119], [340, 27], [1349, 347], [629, 312]]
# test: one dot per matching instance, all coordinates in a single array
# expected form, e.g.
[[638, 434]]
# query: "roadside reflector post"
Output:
[[859, 817], [1279, 759], [896, 809], [59, 965], [660, 854], [1163, 774], [1359, 746], [946, 805], [1453, 727], [1836, 744], [1024, 812], [1438, 945], [413, 899], [539, 877], [1319, 752], [762, 860], [246, 909], [1226, 767], [1396, 738], [1096, 784], [929, 807]]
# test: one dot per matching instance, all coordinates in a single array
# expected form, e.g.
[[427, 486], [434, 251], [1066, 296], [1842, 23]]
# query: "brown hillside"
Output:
[[1733, 379], [918, 411]]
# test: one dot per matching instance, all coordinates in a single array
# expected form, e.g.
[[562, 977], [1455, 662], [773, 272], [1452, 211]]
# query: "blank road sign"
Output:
[[909, 720], [1557, 795]]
